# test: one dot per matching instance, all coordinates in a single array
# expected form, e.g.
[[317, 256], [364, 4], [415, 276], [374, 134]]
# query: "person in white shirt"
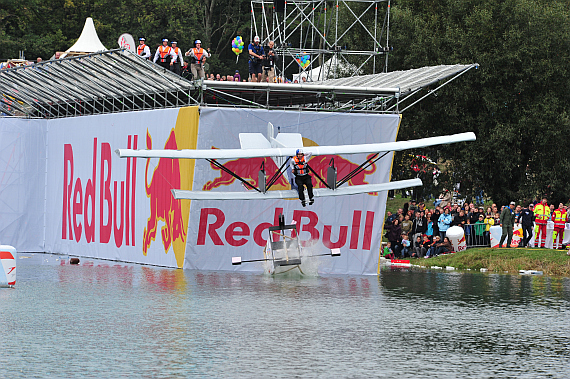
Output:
[[142, 49], [176, 58], [163, 54]]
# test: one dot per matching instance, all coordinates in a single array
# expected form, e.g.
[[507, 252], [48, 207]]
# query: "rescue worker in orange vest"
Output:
[[300, 169], [542, 213], [198, 56], [142, 49], [559, 217], [176, 58], [163, 54]]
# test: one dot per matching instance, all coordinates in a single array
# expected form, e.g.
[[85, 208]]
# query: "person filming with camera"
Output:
[[256, 56], [269, 63]]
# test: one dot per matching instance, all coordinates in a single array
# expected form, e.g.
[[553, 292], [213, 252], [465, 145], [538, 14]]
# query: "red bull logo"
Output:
[[163, 206], [320, 164], [166, 175], [248, 168]]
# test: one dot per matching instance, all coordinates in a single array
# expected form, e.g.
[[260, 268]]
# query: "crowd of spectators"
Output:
[[192, 64], [419, 231]]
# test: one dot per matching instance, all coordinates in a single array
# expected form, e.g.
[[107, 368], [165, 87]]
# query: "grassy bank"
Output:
[[551, 262]]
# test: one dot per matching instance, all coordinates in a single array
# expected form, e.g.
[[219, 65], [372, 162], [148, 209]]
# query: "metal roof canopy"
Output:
[[106, 82], [382, 93], [120, 81]]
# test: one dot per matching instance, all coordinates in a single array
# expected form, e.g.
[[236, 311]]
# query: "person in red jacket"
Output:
[[542, 213], [559, 218]]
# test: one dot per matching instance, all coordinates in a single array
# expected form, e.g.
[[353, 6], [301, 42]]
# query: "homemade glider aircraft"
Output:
[[281, 148]]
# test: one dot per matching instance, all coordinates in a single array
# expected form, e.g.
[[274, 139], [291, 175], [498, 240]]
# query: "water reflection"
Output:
[[107, 319], [468, 287]]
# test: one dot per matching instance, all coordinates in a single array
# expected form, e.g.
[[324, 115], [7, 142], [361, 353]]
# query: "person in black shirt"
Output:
[[256, 55], [527, 216]]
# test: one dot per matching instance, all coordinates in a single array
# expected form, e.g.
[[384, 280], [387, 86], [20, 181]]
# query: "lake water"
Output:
[[106, 320]]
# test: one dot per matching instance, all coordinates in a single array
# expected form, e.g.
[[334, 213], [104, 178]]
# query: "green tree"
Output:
[[516, 102]]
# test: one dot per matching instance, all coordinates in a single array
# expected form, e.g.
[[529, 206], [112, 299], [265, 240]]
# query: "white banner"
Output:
[[222, 229], [22, 183], [101, 206]]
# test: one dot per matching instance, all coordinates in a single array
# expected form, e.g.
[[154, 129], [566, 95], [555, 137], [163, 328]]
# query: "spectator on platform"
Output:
[[256, 56], [230, 78], [185, 71], [237, 76], [218, 77], [527, 220], [38, 60], [444, 222], [176, 58], [269, 63], [143, 50], [507, 224], [198, 57], [163, 55]]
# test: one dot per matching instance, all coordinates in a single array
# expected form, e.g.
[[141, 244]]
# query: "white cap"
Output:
[[198, 41], [256, 39]]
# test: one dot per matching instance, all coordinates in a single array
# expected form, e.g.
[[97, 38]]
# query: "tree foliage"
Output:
[[516, 102]]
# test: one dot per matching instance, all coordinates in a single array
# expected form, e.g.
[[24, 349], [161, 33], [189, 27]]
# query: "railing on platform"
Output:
[[476, 235]]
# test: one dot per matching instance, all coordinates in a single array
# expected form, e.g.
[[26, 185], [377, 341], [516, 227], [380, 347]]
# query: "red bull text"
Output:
[[116, 217], [212, 228]]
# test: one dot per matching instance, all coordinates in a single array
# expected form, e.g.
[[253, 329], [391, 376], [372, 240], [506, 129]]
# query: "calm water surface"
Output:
[[107, 320]]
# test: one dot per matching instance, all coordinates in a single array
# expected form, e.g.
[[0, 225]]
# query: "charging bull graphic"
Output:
[[163, 206], [248, 168], [168, 174]]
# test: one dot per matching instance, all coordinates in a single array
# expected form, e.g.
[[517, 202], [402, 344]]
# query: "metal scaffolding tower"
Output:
[[325, 30]]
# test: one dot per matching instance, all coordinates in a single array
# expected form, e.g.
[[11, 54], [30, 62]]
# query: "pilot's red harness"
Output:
[[300, 166]]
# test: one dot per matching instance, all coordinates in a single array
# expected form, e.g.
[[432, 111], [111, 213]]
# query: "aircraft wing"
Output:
[[290, 151], [318, 192]]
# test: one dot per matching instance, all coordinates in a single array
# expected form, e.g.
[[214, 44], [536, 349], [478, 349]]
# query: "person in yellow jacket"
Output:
[[489, 221], [559, 218], [542, 213]]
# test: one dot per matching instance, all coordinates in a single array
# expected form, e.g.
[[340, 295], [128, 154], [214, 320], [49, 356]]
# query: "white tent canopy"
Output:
[[88, 41]]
